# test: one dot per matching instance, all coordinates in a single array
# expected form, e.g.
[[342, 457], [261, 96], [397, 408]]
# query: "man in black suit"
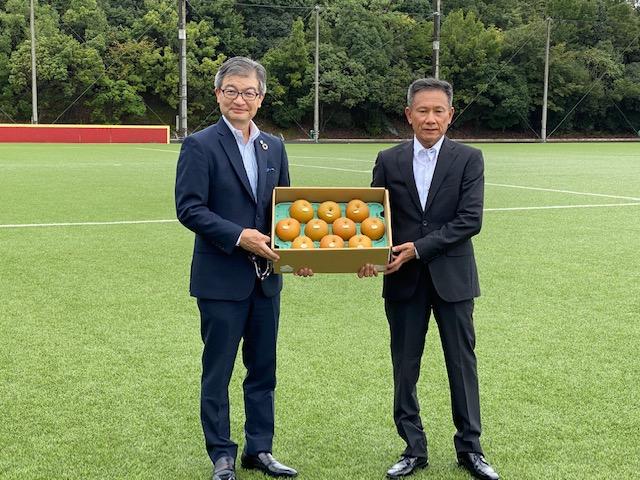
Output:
[[225, 177], [436, 189]]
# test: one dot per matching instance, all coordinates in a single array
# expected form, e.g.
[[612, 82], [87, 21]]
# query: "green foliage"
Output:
[[116, 100], [116, 61], [65, 68], [267, 26], [86, 21], [289, 74], [227, 23], [470, 54]]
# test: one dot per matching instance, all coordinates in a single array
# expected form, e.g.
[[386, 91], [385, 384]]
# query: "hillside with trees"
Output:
[[116, 61]]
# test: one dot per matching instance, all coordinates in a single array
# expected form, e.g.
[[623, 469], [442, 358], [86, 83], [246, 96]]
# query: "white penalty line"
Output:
[[84, 224]]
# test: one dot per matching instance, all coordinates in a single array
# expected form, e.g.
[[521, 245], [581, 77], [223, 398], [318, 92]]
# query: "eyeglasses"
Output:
[[263, 267], [248, 95]]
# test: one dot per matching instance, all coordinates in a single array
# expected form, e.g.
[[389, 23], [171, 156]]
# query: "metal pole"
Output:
[[436, 39], [34, 79], [543, 135], [182, 38], [316, 109]]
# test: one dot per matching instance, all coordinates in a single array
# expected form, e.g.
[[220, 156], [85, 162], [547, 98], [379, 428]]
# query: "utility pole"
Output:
[[543, 135], [182, 38], [316, 109], [436, 39], [34, 79]]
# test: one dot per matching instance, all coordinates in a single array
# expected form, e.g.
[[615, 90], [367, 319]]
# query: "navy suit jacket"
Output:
[[442, 231], [214, 200]]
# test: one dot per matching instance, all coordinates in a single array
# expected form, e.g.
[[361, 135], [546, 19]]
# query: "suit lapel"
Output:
[[261, 160], [445, 158], [228, 142], [405, 165]]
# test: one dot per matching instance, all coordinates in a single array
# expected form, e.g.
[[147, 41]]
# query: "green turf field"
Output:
[[99, 363]]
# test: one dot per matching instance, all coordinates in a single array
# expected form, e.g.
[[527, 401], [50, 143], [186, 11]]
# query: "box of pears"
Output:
[[330, 230]]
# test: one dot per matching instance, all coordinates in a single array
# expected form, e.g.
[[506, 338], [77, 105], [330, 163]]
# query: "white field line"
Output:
[[67, 165], [138, 222], [330, 168], [563, 191], [550, 207], [290, 156], [158, 150], [370, 162], [84, 224], [299, 157], [491, 184]]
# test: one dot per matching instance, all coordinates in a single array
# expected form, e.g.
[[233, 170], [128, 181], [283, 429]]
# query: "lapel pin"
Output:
[[264, 145]]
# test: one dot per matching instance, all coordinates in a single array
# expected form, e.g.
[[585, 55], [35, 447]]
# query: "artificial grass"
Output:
[[99, 368]]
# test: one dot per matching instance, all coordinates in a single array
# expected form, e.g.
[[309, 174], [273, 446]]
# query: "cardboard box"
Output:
[[336, 260]]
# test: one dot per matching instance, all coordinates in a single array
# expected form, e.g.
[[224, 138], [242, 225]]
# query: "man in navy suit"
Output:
[[225, 177], [436, 191]]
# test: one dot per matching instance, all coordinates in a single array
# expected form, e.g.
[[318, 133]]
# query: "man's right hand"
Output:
[[257, 242]]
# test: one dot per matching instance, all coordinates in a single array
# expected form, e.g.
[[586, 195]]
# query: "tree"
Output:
[[267, 23], [85, 20], [470, 58], [116, 60], [227, 23], [65, 70], [204, 59], [289, 78]]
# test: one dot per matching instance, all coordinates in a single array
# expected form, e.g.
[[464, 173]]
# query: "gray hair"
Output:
[[242, 67], [429, 84]]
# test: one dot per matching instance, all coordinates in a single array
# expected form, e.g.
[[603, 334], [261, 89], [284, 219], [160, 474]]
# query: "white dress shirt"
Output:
[[424, 164]]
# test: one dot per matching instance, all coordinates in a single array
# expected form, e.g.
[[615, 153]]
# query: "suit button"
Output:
[[424, 223]]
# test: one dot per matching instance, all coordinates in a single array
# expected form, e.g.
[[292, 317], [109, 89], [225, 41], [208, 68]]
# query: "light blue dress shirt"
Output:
[[247, 152], [424, 164]]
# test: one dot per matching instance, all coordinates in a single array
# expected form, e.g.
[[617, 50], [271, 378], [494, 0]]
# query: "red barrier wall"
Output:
[[17, 133]]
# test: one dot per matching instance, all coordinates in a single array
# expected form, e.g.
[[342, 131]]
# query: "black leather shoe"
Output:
[[265, 462], [406, 466], [224, 469], [477, 466]]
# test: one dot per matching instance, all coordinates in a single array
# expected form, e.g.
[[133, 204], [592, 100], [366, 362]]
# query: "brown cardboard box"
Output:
[[338, 260]]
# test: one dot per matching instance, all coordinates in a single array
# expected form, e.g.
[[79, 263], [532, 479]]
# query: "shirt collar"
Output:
[[418, 148], [254, 132]]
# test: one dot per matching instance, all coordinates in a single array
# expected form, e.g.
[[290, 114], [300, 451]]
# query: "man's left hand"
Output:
[[303, 272], [401, 255], [367, 270]]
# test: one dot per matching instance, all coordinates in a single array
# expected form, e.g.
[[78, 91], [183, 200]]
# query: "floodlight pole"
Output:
[[436, 39], [182, 38], [316, 107], [34, 79], [543, 133]]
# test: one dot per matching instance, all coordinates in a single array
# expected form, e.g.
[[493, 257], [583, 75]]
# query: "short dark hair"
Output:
[[244, 67], [429, 84]]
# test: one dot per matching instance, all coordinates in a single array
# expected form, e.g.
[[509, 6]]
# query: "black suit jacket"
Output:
[[442, 231], [214, 200]]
